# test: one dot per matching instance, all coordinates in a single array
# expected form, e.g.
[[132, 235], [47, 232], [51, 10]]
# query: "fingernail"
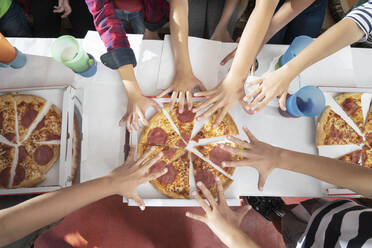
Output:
[[142, 207], [223, 164], [199, 184]]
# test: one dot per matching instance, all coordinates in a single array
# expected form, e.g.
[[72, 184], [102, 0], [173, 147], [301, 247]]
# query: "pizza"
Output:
[[368, 127], [352, 157], [351, 103], [29, 145], [172, 140], [333, 130], [226, 127], [367, 157]]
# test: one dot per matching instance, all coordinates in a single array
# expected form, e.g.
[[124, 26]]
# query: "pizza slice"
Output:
[[351, 103], [49, 128], [207, 174], [169, 153], [8, 118], [367, 157], [43, 155], [175, 183], [7, 154], [226, 127], [29, 107], [217, 155], [368, 127], [352, 157], [333, 130], [160, 132], [184, 122]]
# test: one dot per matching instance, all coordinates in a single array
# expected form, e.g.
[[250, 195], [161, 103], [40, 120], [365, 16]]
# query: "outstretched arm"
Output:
[[221, 33], [22, 219], [265, 158]]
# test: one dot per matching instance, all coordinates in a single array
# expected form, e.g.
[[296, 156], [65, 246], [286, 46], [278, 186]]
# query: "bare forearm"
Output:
[[252, 38], [179, 33], [238, 239], [287, 12], [227, 12], [24, 218], [129, 79], [333, 171], [337, 37]]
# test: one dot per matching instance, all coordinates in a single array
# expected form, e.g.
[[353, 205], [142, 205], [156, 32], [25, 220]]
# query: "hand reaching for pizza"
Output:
[[126, 178], [136, 109], [222, 98], [219, 217], [257, 154], [182, 86], [269, 86]]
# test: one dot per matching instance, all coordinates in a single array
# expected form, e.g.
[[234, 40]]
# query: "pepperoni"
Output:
[[20, 174], [350, 106], [53, 137], [43, 154], [193, 157], [22, 154], [28, 117], [9, 136], [4, 177], [355, 156], [170, 176], [197, 137], [1, 120], [41, 124], [169, 153], [186, 116], [186, 136], [157, 136], [206, 177], [181, 143], [335, 134], [217, 155], [369, 139]]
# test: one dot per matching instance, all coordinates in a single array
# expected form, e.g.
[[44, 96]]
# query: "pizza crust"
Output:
[[320, 133]]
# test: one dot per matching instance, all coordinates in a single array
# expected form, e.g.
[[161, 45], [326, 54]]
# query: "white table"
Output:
[[105, 102]]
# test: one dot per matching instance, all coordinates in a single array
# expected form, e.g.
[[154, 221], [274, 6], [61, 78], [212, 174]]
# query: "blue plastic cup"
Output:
[[307, 101], [297, 45]]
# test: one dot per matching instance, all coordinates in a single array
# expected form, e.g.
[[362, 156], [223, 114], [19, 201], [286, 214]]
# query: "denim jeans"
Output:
[[135, 20], [14, 22], [308, 22]]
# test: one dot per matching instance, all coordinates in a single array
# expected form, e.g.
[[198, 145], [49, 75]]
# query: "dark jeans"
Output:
[[135, 19], [309, 22], [14, 22], [48, 24]]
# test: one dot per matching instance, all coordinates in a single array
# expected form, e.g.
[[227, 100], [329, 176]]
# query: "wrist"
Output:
[[284, 158], [235, 80]]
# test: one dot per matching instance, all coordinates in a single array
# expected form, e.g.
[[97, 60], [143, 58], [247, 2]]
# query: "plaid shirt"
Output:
[[112, 32]]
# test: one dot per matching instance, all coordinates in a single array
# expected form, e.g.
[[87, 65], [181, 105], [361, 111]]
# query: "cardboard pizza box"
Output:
[[340, 150]]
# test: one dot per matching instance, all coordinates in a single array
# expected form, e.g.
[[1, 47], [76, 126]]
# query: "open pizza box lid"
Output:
[[336, 151], [44, 77]]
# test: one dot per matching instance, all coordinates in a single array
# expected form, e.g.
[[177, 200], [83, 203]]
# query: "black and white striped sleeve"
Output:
[[362, 15]]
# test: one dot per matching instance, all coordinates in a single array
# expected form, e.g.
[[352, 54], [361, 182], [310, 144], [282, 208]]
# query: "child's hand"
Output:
[[219, 217], [136, 109], [126, 178], [63, 7], [269, 86], [257, 154], [182, 86], [229, 92]]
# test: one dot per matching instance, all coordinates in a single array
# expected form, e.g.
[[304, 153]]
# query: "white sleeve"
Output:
[[362, 16]]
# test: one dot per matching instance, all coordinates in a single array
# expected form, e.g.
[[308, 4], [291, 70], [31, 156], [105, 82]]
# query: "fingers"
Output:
[[205, 104], [282, 101], [205, 93], [156, 107], [228, 57], [66, 13], [251, 137], [123, 119], [128, 123], [252, 94], [233, 150], [257, 99], [239, 141], [181, 98], [189, 100], [261, 181], [221, 195], [135, 197], [242, 211], [201, 202], [156, 174], [131, 154], [207, 194], [152, 161], [135, 121], [196, 217], [165, 92], [237, 163], [145, 155], [143, 118], [262, 104], [220, 116], [173, 99]]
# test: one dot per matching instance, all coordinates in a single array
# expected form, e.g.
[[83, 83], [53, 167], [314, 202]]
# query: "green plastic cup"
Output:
[[67, 50]]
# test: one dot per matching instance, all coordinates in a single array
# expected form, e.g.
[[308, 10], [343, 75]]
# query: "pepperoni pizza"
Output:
[[352, 157], [161, 134], [32, 145], [351, 103]]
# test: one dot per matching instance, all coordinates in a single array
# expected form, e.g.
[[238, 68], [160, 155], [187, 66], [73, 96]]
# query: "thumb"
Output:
[[135, 197], [228, 57], [261, 181], [242, 211], [282, 101]]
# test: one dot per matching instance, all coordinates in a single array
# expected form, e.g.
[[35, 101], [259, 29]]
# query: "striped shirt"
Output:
[[362, 15], [339, 224]]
